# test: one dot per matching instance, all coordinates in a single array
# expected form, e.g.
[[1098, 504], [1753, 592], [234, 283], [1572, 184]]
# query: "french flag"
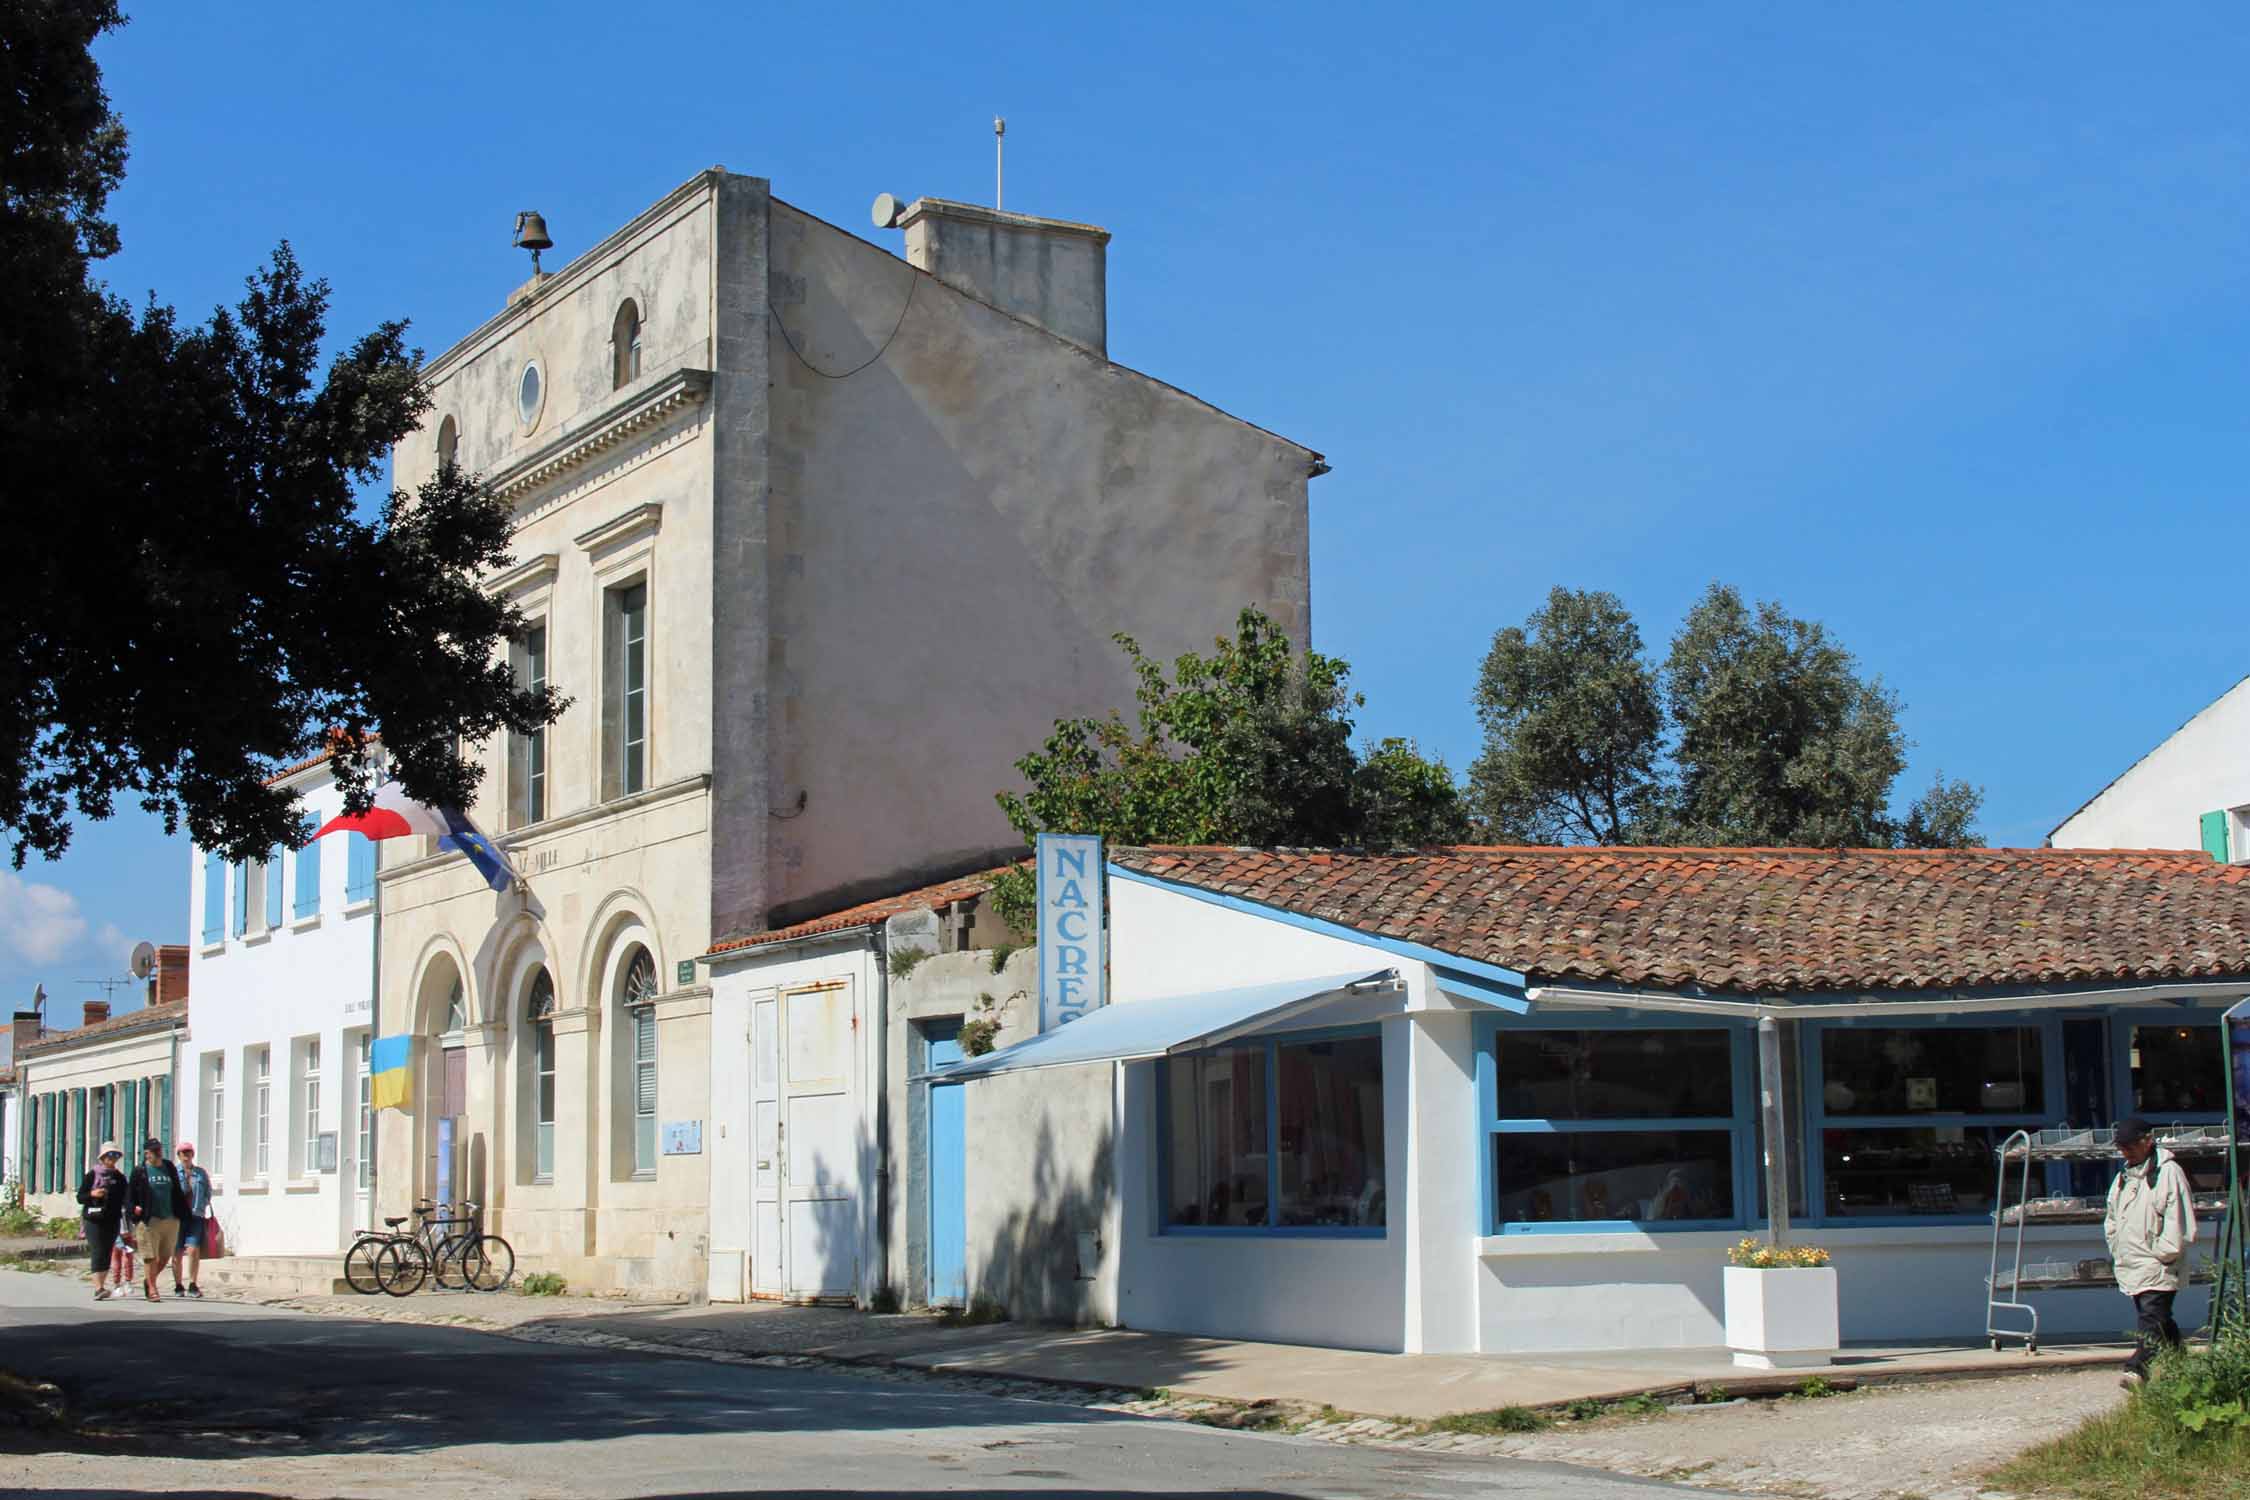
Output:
[[396, 815]]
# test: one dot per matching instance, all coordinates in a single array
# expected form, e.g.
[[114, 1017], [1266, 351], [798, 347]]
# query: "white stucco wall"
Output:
[[2203, 766], [98, 1063], [312, 979]]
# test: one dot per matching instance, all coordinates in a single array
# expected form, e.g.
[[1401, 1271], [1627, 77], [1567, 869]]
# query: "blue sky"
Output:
[[1928, 322]]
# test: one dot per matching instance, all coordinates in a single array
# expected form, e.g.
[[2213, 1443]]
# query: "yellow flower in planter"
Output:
[[1757, 1255]]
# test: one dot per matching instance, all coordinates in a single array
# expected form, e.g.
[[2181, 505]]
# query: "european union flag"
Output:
[[490, 862]]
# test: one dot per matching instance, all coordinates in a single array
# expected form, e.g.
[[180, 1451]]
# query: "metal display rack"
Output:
[[2017, 1153]]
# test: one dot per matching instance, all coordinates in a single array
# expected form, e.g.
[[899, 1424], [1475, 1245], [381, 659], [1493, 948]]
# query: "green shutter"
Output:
[[2215, 836]]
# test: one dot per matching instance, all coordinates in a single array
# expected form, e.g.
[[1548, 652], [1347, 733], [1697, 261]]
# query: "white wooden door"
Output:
[[765, 1140], [820, 1143]]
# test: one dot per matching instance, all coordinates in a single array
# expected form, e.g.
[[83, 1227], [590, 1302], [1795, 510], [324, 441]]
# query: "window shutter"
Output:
[[644, 1054], [273, 890], [308, 879], [241, 899], [214, 898], [359, 868], [2215, 836]]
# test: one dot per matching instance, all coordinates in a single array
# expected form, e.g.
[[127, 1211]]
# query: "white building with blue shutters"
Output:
[[275, 1079]]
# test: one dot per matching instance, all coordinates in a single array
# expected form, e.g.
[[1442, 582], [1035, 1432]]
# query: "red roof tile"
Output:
[[148, 1017], [1767, 920], [868, 913]]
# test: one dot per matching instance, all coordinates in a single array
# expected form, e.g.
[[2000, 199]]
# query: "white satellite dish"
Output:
[[887, 211], [143, 961]]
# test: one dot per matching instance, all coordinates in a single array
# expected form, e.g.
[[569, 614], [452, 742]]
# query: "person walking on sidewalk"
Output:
[[152, 1203], [101, 1192], [2149, 1224], [195, 1220]]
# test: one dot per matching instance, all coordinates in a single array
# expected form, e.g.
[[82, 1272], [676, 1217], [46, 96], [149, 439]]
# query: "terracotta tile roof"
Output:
[[1767, 920], [868, 913], [336, 740], [147, 1018]]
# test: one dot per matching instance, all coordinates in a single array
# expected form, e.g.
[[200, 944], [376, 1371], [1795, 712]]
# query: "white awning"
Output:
[[1183, 1023]]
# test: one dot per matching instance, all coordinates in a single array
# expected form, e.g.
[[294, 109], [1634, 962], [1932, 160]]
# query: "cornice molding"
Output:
[[641, 520], [635, 411], [526, 575]]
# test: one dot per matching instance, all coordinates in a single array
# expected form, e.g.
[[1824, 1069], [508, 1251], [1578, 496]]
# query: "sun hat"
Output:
[[109, 1148]]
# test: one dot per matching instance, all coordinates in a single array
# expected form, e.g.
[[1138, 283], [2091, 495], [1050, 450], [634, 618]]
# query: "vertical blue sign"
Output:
[[1073, 977]]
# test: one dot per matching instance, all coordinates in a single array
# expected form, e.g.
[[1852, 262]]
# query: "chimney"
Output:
[[97, 1011], [1046, 271], [23, 1031], [170, 981]]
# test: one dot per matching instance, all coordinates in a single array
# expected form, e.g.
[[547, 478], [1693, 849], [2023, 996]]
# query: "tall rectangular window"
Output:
[[644, 1088], [366, 1113], [310, 1154], [530, 757], [359, 868], [215, 1136], [625, 691], [273, 869], [308, 880], [1277, 1135], [241, 900], [261, 1114], [214, 898]]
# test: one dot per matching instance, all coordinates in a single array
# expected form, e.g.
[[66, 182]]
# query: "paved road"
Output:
[[267, 1402]]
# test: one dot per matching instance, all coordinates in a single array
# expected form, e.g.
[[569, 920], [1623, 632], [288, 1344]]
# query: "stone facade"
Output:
[[855, 538]]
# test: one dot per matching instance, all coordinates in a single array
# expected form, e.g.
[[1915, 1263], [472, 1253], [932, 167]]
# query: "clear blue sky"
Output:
[[1927, 321]]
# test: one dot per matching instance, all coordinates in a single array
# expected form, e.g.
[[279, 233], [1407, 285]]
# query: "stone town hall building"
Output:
[[817, 540]]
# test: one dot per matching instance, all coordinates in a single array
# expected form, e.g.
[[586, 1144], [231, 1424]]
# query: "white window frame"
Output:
[[215, 1139], [262, 1157], [309, 1157], [365, 1169]]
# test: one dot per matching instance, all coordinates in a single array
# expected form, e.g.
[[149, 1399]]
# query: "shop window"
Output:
[[2176, 1072], [1908, 1117], [1278, 1135], [1641, 1125]]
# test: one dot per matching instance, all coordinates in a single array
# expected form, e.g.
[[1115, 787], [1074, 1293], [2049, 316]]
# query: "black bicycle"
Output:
[[442, 1246]]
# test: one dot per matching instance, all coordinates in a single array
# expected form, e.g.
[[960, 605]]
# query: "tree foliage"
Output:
[[199, 600], [1250, 744], [1757, 730]]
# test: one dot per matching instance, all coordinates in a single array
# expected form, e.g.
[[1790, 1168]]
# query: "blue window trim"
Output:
[[1741, 1124], [1272, 1046], [241, 884], [307, 871], [214, 898]]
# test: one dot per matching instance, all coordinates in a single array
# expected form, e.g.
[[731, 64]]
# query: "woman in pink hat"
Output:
[[195, 1219]]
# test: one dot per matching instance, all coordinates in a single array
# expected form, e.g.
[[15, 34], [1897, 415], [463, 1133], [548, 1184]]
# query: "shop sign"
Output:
[[1073, 976]]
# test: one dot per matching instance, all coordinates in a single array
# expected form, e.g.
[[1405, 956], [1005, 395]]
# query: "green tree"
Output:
[[1758, 729], [1573, 726], [1249, 744], [198, 599]]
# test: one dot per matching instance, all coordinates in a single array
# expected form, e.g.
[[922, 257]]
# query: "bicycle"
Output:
[[378, 1257], [443, 1246], [482, 1262]]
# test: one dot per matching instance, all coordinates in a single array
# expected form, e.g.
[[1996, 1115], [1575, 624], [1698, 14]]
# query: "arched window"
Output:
[[637, 995], [539, 1010], [625, 346], [448, 442], [456, 1010]]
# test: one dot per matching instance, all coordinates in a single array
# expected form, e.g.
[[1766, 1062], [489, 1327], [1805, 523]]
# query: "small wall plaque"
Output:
[[686, 972], [683, 1137], [324, 1151]]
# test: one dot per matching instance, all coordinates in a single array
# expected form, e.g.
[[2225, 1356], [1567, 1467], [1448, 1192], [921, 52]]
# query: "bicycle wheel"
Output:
[[400, 1266], [489, 1264], [445, 1263], [359, 1267]]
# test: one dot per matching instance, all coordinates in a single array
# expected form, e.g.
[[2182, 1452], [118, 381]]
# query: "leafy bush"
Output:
[[542, 1284], [16, 1219], [905, 960], [63, 1227], [1757, 1255], [976, 1036], [2204, 1391]]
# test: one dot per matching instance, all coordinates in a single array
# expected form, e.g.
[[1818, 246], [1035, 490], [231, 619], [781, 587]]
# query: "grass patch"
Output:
[[542, 1284], [1489, 1423], [981, 1310], [1812, 1388], [2137, 1451]]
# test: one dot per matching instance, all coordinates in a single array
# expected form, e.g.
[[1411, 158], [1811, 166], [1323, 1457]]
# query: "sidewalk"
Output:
[[1417, 1386]]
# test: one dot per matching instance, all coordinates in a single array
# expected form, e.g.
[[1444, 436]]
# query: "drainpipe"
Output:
[[880, 1029]]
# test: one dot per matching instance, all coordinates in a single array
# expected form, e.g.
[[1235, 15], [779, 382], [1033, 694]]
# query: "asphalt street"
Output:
[[226, 1399]]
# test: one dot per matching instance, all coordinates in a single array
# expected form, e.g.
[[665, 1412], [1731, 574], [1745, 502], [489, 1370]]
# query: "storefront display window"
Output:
[[1278, 1135], [2176, 1072], [1908, 1117], [1640, 1125]]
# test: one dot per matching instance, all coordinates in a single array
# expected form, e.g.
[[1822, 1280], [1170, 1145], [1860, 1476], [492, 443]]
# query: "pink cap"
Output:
[[183, 1146]]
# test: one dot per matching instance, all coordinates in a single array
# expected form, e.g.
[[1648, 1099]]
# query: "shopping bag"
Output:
[[214, 1239]]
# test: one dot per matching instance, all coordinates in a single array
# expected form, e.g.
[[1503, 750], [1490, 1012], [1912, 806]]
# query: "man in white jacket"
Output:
[[2149, 1225]]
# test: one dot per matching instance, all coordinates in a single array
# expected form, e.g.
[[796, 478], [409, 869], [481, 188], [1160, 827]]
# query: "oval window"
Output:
[[528, 394]]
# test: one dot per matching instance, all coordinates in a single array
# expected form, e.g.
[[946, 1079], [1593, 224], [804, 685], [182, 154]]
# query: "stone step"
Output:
[[278, 1275]]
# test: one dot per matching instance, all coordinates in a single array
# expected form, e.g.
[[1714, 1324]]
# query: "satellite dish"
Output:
[[143, 962], [887, 211]]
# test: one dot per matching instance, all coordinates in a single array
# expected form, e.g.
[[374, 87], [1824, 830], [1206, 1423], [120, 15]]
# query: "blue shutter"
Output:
[[308, 879], [241, 900], [359, 868], [2215, 836], [273, 889], [214, 897]]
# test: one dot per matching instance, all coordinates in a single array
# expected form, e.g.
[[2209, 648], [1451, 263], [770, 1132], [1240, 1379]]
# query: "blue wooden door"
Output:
[[948, 1179]]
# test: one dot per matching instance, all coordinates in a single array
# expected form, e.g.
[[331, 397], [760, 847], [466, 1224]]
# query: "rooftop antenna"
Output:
[[110, 986], [999, 159]]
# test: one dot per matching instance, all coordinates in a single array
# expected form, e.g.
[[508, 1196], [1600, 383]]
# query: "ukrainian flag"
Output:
[[390, 1071]]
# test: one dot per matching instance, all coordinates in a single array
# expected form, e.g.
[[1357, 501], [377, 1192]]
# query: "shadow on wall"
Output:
[[1039, 1254]]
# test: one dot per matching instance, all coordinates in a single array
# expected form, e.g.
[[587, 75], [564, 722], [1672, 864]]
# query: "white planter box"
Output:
[[1783, 1319]]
